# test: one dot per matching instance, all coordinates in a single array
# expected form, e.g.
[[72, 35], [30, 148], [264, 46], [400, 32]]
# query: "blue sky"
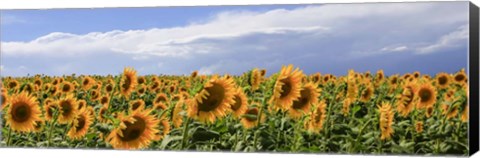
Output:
[[396, 37]]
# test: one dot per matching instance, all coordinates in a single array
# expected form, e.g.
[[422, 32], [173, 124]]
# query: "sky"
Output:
[[429, 37]]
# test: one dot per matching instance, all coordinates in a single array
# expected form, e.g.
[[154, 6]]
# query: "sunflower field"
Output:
[[288, 111]]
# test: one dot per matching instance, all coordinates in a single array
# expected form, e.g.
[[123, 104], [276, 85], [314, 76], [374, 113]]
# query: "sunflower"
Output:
[[95, 95], [255, 79], [250, 118], [128, 81], [316, 78], [155, 85], [160, 101], [50, 106], [105, 100], [81, 104], [447, 100], [80, 125], [4, 99], [419, 126], [315, 122], [386, 121], [308, 95], [460, 77], [177, 118], [163, 130], [28, 88], [109, 88], [66, 87], [13, 84], [39, 126], [100, 117], [136, 131], [427, 95], [367, 93], [407, 99], [416, 74], [38, 82], [213, 101], [141, 80], [23, 112], [429, 111], [87, 83], [347, 102], [141, 89], [442, 80], [194, 74], [68, 109], [240, 105], [136, 105], [287, 87]]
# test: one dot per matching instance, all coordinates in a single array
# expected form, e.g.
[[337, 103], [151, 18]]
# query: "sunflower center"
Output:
[[81, 123], [442, 80], [21, 112], [104, 100], [109, 88], [12, 84], [366, 93], [133, 130], [127, 83], [305, 97], [136, 105], [286, 87], [238, 103], [253, 111], [85, 82], [459, 77], [425, 95], [217, 94], [318, 116], [66, 88], [66, 108]]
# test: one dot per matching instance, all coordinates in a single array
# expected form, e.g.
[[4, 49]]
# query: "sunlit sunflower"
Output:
[[66, 87], [23, 112], [194, 74], [101, 114], [442, 80], [141, 89], [379, 76], [308, 95], [109, 88], [460, 77], [250, 118], [407, 99], [316, 78], [155, 85], [95, 95], [241, 103], [81, 104], [429, 111], [87, 83], [38, 81], [255, 79], [163, 130], [448, 98], [427, 95], [39, 126], [128, 81], [50, 106], [68, 109], [419, 126], [213, 101], [346, 106], [136, 105], [4, 99], [315, 122], [386, 120], [367, 93], [160, 101], [80, 125], [177, 118], [141, 80], [136, 131], [13, 84], [416, 74], [28, 88], [105, 100], [287, 87]]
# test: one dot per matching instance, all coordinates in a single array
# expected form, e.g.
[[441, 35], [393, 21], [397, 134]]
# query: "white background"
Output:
[[51, 153]]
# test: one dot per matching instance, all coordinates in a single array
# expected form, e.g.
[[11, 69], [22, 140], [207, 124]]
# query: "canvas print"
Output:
[[360, 78]]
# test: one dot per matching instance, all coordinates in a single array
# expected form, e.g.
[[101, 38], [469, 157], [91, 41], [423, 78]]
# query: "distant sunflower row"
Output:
[[144, 109]]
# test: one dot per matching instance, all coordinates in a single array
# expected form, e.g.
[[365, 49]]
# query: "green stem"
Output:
[[361, 132], [185, 133], [8, 136]]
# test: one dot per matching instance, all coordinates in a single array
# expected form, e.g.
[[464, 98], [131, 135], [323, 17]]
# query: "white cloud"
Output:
[[239, 40], [454, 39]]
